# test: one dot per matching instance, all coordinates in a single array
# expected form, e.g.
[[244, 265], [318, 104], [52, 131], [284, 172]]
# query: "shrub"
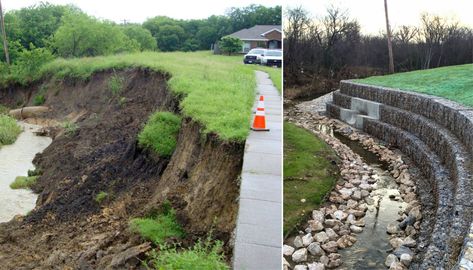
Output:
[[34, 172], [160, 133], [23, 182], [39, 100], [4, 110], [70, 128], [230, 44], [115, 84], [9, 130], [101, 196], [28, 64], [158, 228], [203, 255]]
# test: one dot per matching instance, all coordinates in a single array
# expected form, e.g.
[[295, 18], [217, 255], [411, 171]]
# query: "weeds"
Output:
[[4, 110], [160, 132], [203, 255], [101, 196], [23, 182], [158, 228], [70, 128], [40, 98], [115, 84], [9, 130]]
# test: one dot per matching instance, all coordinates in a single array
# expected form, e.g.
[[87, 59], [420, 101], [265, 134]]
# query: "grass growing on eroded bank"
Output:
[[308, 174], [23, 182], [203, 255], [219, 90], [453, 82], [159, 227], [9, 130], [160, 133]]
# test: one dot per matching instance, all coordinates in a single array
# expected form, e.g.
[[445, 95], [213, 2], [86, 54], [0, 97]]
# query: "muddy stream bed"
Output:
[[16, 160]]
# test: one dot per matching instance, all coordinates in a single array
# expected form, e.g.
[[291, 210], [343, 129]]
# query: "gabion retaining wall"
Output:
[[437, 135]]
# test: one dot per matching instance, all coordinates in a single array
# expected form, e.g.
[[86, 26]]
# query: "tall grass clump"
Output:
[[158, 227], [115, 84], [203, 255], [160, 133], [23, 182], [9, 130]]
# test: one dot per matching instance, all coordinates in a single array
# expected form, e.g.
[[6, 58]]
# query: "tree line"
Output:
[[323, 51], [67, 31]]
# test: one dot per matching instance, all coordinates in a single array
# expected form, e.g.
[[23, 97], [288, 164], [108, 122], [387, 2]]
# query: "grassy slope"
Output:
[[453, 82], [219, 90], [308, 174]]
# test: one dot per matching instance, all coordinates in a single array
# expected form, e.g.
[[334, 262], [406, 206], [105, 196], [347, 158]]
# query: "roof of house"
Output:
[[256, 32]]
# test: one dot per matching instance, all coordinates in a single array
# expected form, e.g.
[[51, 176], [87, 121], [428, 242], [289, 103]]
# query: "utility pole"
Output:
[[390, 45], [5, 43]]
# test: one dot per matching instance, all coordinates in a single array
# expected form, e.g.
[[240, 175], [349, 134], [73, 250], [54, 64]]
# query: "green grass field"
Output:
[[308, 174], [219, 90], [453, 82]]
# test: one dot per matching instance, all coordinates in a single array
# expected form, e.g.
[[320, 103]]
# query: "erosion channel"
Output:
[[16, 160], [94, 149]]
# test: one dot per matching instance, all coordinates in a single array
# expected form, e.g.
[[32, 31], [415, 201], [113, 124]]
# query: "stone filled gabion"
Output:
[[437, 134]]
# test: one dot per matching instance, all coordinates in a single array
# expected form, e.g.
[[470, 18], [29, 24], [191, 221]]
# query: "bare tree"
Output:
[[4, 35], [406, 34], [388, 32]]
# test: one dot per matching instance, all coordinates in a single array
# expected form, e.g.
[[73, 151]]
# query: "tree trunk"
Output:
[[390, 45], [4, 35]]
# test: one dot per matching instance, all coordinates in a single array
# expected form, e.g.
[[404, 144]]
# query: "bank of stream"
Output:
[[15, 160]]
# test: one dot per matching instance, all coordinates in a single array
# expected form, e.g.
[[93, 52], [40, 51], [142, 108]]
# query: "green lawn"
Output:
[[219, 90], [308, 174], [453, 82]]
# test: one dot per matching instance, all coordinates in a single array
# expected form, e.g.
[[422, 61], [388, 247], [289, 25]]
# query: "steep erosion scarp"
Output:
[[97, 151]]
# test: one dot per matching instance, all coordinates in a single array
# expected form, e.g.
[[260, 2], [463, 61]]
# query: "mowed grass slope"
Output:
[[218, 91], [308, 174], [453, 82]]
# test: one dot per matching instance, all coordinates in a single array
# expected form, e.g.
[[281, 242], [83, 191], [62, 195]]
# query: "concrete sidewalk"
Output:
[[259, 226]]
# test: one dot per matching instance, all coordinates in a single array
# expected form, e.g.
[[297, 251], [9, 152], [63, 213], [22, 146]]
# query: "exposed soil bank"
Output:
[[98, 152], [16, 160]]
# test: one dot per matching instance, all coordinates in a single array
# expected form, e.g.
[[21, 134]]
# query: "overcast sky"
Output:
[[139, 10], [370, 13]]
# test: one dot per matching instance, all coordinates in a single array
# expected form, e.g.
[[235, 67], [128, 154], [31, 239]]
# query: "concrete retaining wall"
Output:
[[437, 135]]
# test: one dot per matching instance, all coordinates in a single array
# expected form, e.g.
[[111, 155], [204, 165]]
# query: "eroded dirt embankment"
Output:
[[97, 152]]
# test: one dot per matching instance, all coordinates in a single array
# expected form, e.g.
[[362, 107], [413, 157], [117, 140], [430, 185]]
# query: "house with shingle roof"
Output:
[[260, 36]]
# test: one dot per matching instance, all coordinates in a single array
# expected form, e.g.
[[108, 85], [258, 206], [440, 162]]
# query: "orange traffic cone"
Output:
[[259, 123]]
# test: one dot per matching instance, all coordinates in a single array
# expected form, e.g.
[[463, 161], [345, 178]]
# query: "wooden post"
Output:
[[390, 45], [4, 35]]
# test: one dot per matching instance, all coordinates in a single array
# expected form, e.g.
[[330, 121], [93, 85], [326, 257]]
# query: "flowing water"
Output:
[[372, 245], [16, 160]]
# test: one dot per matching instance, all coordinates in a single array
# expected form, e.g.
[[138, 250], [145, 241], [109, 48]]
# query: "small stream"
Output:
[[372, 245], [16, 160]]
